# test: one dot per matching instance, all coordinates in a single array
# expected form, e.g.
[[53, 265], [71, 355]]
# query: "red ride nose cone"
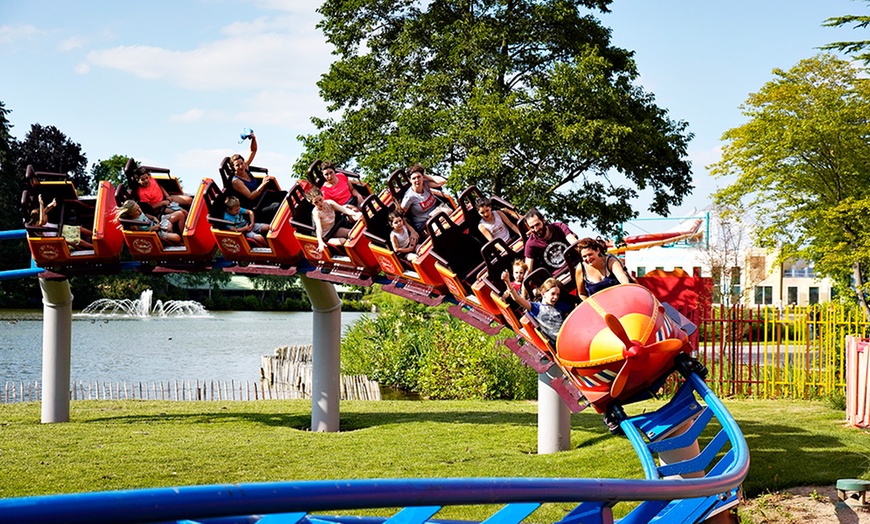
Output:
[[585, 326]]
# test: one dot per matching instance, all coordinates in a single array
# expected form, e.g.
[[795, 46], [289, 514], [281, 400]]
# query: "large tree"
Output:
[[10, 182], [802, 162], [524, 98], [860, 48], [46, 148]]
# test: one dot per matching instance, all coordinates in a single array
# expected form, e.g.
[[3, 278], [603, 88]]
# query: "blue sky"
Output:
[[171, 83]]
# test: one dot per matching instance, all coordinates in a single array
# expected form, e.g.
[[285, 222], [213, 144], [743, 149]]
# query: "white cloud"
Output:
[[192, 115], [273, 53], [82, 68], [282, 108], [70, 43], [13, 33]]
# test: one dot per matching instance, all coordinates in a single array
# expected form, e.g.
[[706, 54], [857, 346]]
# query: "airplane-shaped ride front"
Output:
[[618, 343]]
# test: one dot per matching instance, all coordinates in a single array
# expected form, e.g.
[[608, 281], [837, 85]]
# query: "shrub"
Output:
[[438, 357]]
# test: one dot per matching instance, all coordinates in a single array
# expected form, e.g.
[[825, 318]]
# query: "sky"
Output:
[[172, 83]]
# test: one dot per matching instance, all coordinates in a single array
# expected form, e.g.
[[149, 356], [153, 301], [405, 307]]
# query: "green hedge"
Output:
[[435, 356]]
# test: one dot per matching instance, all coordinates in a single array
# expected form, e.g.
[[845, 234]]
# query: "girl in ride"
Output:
[[130, 210], [597, 270], [550, 312], [323, 218], [494, 223], [403, 238], [337, 187], [243, 181], [419, 201], [160, 201]]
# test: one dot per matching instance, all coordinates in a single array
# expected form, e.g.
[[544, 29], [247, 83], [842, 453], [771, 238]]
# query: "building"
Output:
[[740, 274]]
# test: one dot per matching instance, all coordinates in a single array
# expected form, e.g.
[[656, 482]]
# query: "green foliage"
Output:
[[437, 357], [46, 148], [527, 100], [855, 47], [802, 167], [111, 169]]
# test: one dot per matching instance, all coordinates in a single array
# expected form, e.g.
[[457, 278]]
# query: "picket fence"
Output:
[[284, 375]]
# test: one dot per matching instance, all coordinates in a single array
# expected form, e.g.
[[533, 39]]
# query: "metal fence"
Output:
[[766, 352]]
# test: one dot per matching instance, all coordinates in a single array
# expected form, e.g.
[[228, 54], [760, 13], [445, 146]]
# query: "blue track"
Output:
[[724, 462]]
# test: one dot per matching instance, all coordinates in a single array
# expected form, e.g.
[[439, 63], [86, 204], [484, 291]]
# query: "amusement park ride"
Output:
[[616, 348]]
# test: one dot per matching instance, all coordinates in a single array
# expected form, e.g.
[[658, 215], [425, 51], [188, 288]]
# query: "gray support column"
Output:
[[326, 361], [56, 338], [554, 419]]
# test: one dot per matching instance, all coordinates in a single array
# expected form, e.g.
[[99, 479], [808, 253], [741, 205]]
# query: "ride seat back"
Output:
[[300, 210], [453, 247], [215, 202], [376, 217], [498, 257]]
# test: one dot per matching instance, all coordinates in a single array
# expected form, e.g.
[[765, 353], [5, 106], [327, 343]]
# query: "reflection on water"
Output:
[[224, 346]]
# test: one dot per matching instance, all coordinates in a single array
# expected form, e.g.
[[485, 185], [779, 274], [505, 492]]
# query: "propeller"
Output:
[[632, 349]]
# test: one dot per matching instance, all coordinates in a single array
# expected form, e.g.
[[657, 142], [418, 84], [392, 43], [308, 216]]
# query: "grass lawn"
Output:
[[135, 444]]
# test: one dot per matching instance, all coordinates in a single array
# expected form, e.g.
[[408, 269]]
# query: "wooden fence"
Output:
[[285, 375]]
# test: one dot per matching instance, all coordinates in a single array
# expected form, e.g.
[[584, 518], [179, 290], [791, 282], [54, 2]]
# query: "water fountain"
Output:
[[142, 307]]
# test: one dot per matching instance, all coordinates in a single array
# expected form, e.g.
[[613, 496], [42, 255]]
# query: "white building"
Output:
[[739, 272]]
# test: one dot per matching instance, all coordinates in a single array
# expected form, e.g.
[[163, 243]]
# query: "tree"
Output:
[[802, 162], [526, 99], [10, 181], [111, 170], [46, 148], [857, 47], [723, 253]]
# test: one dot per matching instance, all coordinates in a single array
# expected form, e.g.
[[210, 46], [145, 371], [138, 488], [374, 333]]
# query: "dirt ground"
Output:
[[805, 505]]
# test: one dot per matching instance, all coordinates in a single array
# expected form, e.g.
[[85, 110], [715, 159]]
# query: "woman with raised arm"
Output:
[[244, 182]]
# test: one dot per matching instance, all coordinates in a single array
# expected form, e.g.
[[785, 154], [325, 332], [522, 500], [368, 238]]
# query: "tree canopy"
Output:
[[111, 169], [526, 99], [860, 48], [802, 162], [46, 148]]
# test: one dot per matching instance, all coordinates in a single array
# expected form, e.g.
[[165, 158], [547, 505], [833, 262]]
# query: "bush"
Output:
[[437, 357]]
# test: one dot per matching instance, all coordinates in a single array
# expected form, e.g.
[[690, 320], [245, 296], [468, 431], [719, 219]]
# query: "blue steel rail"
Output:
[[664, 500], [677, 424]]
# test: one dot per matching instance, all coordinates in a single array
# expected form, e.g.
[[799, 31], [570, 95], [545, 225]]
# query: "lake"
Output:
[[223, 346]]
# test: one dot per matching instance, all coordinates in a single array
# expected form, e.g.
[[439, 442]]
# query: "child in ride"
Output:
[[519, 274], [130, 210], [549, 312], [323, 218], [403, 238], [71, 233], [243, 221]]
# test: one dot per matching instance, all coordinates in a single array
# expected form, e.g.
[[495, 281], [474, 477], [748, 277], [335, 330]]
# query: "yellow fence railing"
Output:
[[766, 352]]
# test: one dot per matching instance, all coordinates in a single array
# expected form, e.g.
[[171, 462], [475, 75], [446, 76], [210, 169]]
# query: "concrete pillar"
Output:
[[326, 361], [554, 419], [56, 341]]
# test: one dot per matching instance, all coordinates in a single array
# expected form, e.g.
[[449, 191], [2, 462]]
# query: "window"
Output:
[[814, 295], [641, 271], [764, 294], [792, 295]]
